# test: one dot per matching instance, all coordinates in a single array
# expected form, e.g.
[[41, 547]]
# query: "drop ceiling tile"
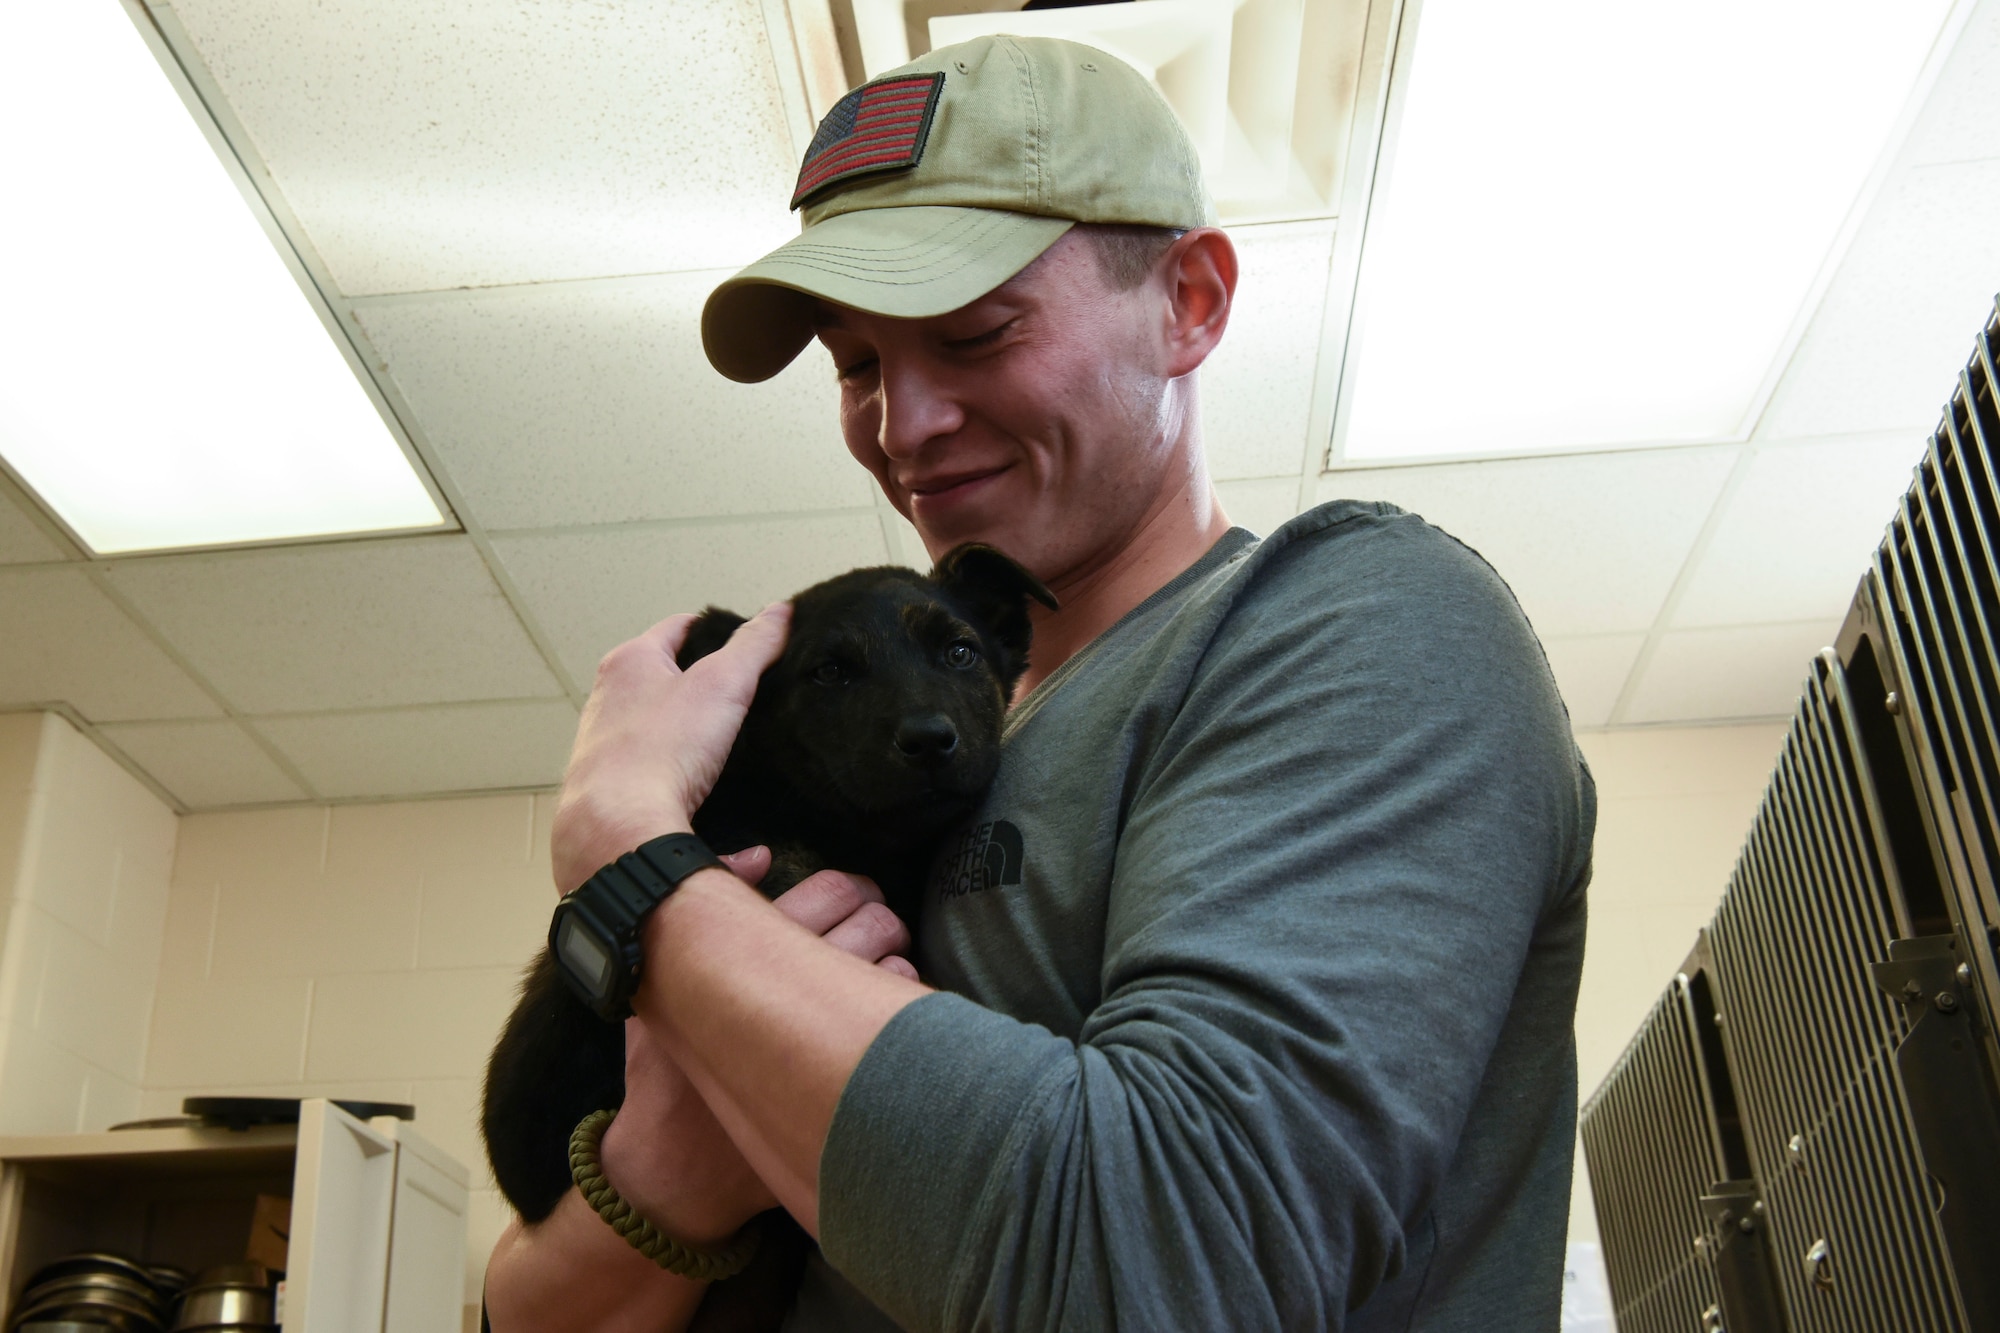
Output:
[[1256, 390], [1961, 118], [1261, 504], [1884, 349], [1590, 543], [436, 143], [347, 625], [1590, 671], [424, 751], [204, 764], [1795, 537], [62, 640], [592, 591], [584, 403], [1745, 671], [22, 541]]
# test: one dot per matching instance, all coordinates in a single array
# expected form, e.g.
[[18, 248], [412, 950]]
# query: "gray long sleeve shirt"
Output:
[[1258, 971]]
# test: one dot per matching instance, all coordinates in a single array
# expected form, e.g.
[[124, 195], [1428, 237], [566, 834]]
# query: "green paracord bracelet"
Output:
[[641, 1235]]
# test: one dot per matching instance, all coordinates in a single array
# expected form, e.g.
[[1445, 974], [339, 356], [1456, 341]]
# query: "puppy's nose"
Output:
[[927, 740]]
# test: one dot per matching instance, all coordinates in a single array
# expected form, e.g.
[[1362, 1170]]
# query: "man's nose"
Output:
[[917, 406]]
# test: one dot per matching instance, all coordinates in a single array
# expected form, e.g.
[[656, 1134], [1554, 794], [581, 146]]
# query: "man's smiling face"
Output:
[[1036, 419]]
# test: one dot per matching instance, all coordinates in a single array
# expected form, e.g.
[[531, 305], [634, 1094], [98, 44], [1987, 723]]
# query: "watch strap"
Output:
[[614, 902], [641, 879]]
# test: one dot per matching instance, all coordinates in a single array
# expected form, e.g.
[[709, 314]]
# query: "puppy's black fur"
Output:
[[872, 736]]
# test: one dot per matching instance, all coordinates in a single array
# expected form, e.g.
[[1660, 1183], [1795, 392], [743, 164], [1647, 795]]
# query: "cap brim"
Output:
[[908, 263]]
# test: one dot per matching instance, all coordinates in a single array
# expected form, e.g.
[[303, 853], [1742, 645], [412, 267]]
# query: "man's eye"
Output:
[[855, 370], [831, 673], [961, 655], [979, 340]]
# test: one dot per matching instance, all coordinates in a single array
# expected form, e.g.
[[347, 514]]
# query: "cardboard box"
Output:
[[270, 1232]]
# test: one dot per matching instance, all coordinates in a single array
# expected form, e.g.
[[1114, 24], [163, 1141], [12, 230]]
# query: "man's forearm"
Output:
[[767, 1019], [572, 1272]]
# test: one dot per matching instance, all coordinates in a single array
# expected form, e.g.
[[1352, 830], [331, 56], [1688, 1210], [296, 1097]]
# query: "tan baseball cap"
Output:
[[928, 187]]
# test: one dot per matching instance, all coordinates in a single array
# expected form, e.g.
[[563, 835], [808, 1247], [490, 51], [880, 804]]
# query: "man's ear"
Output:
[[996, 591], [710, 631], [1200, 269]]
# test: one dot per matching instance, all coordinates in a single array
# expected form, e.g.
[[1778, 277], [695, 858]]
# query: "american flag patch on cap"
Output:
[[880, 126]]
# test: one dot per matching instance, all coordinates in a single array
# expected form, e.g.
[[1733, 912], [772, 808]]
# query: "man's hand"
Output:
[[667, 1155], [848, 912], [766, 1020], [653, 739]]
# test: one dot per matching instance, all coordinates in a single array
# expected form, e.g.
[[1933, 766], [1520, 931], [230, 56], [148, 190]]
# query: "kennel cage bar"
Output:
[[1852, 971], [1811, 1040], [1666, 1126]]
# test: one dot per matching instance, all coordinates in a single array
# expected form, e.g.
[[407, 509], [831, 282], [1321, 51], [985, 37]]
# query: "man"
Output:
[[1255, 973]]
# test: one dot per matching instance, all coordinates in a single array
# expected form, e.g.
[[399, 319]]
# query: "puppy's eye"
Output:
[[961, 655], [831, 673]]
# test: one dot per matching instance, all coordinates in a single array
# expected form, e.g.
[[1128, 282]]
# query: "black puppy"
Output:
[[872, 736]]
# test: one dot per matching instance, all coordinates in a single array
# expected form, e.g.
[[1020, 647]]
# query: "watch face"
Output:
[[584, 956]]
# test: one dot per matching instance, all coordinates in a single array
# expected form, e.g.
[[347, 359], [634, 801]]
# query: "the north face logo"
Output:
[[987, 856]]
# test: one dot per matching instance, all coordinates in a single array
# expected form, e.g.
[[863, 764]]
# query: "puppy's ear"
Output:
[[710, 631], [997, 591]]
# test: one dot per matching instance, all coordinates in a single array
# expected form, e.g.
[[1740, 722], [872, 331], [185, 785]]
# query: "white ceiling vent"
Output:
[[1266, 88]]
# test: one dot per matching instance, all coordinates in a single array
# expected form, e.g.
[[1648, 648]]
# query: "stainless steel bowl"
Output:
[[103, 1311], [228, 1296], [71, 1264], [210, 1307], [233, 1275], [86, 1286]]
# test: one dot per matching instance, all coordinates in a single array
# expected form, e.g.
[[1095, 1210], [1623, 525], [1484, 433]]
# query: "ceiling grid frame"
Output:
[[91, 732], [682, 522], [372, 369], [1346, 292], [1382, 52], [1894, 154], [779, 25], [895, 537], [96, 572], [180, 63], [1683, 577], [1894, 158], [1385, 62], [15, 490]]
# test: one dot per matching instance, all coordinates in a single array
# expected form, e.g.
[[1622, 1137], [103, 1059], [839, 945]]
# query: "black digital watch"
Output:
[[594, 936]]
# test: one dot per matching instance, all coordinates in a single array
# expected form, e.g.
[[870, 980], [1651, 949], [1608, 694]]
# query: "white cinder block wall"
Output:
[[364, 951], [85, 852], [372, 950]]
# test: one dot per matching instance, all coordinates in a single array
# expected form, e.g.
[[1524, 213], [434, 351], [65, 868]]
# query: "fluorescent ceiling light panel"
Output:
[[1597, 222], [163, 380]]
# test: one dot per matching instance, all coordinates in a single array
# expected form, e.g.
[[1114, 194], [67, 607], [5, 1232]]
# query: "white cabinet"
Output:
[[426, 1239], [378, 1211]]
